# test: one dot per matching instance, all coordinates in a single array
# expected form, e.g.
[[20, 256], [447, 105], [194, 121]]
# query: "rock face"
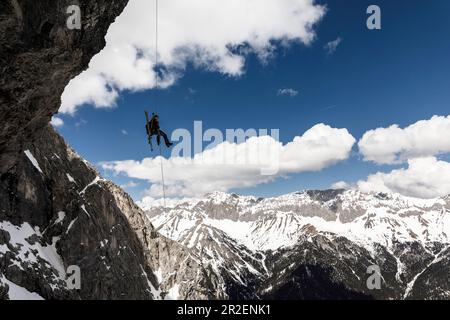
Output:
[[38, 57], [58, 203], [58, 212], [55, 210]]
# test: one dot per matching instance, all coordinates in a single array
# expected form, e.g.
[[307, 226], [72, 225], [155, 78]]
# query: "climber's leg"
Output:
[[166, 139]]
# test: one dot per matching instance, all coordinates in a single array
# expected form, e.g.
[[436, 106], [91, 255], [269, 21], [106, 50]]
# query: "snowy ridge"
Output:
[[273, 223], [16, 292], [28, 253]]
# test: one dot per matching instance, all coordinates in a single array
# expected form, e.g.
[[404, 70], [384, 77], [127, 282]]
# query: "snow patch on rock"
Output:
[[33, 160]]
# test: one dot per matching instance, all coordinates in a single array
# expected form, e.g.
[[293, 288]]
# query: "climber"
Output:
[[153, 128]]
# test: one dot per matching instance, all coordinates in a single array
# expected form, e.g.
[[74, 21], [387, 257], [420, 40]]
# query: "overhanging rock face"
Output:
[[38, 57], [56, 212], [45, 224]]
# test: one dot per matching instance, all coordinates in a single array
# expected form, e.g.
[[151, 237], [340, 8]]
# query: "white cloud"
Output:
[[228, 165], [287, 92], [88, 87], [206, 33], [149, 202], [331, 46], [130, 184], [56, 122], [395, 145], [124, 132], [80, 123], [424, 178], [340, 185]]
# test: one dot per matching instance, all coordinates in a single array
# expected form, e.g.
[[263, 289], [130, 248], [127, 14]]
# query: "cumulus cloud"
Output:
[[424, 178], [214, 35], [331, 46], [56, 122], [231, 165], [395, 145], [287, 92]]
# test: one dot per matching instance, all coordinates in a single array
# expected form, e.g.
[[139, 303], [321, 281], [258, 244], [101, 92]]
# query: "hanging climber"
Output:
[[153, 129]]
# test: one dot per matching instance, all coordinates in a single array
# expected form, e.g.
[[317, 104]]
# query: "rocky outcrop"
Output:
[[38, 57], [56, 212], [70, 216], [78, 221]]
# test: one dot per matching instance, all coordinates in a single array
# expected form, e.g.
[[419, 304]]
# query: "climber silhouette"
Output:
[[154, 129]]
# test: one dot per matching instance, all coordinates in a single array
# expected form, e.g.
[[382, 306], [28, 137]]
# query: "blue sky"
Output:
[[397, 75]]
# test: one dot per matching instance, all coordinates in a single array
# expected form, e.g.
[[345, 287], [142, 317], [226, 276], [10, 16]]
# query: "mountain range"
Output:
[[315, 244]]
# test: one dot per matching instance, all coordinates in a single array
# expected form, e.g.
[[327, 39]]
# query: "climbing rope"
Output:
[[156, 100], [162, 176]]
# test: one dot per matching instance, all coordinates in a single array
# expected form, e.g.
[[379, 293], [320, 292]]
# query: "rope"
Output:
[[156, 100], [162, 176], [156, 44]]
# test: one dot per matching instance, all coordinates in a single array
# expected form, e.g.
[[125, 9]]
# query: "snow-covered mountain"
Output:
[[245, 241]]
